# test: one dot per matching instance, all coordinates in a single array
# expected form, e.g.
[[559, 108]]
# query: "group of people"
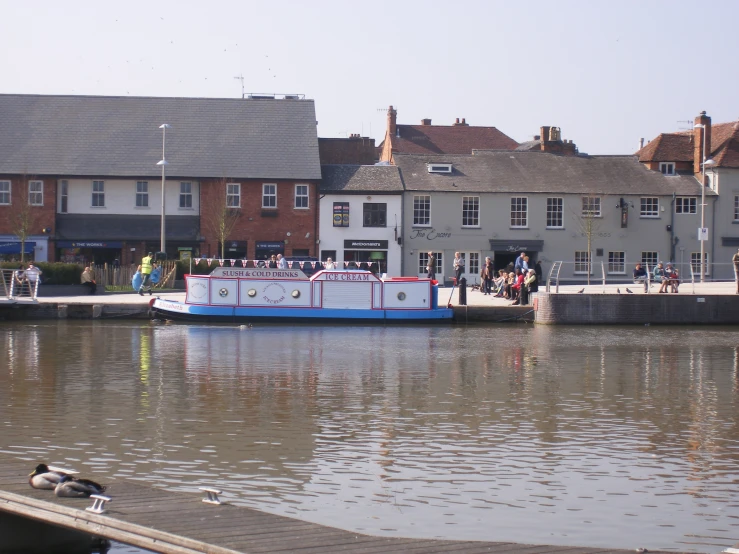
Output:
[[27, 278], [667, 277], [515, 282]]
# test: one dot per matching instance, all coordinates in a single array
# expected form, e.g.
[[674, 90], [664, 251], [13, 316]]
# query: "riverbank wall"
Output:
[[636, 309]]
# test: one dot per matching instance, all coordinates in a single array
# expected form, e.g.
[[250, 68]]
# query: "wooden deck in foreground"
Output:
[[180, 523]]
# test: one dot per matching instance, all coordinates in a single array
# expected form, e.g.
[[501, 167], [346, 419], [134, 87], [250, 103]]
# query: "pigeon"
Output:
[[629, 291], [581, 291], [618, 291]]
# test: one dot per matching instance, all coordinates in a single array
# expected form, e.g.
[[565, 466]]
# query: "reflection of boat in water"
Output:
[[234, 294]]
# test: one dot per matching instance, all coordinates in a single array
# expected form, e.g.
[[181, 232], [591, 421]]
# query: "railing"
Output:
[[563, 272], [14, 287]]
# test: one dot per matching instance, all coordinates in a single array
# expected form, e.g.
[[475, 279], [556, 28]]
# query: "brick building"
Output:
[[94, 160]]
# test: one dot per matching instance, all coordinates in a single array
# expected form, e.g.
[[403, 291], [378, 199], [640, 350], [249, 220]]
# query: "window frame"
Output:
[[579, 262], [681, 201], [616, 262], [9, 192], [233, 190], [522, 201], [649, 262], [551, 212], [269, 195], [471, 213], [142, 194], [421, 212], [63, 196], [667, 168], [695, 263], [736, 208], [35, 197], [98, 196], [185, 195], [587, 205], [299, 187], [380, 214], [644, 202]]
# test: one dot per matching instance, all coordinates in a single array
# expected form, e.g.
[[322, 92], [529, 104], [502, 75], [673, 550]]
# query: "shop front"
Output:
[[506, 251], [366, 254], [266, 249], [89, 251]]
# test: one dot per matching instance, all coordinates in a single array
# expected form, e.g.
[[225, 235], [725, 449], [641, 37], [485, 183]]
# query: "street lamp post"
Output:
[[163, 163]]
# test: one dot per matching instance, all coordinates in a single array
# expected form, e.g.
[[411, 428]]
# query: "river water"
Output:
[[609, 436]]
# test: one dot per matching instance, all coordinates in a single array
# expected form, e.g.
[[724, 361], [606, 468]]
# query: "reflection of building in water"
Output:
[[261, 378]]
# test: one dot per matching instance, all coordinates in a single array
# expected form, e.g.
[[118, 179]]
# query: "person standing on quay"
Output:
[[431, 266], [146, 269], [458, 267], [735, 259]]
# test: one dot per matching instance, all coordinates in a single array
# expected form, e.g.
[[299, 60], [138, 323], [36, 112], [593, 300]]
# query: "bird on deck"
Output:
[[44, 478], [618, 291], [70, 487], [581, 291], [629, 290]]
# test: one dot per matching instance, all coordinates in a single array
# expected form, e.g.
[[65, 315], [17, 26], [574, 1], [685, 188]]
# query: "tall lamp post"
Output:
[[163, 163]]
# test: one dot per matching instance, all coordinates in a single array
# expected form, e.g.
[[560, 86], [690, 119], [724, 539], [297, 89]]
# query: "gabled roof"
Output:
[[668, 147], [727, 154], [360, 178], [678, 147], [120, 136], [539, 172], [454, 139]]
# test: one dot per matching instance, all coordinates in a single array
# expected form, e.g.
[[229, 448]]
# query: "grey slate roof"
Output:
[[539, 172], [125, 227], [350, 179], [120, 136]]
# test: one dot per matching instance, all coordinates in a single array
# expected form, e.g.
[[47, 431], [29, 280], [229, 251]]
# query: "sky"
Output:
[[606, 73]]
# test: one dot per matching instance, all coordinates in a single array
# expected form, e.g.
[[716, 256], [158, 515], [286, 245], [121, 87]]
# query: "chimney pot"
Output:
[[425, 122], [457, 122], [464, 121], [641, 143]]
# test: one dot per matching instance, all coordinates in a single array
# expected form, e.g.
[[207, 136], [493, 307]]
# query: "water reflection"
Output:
[[461, 433]]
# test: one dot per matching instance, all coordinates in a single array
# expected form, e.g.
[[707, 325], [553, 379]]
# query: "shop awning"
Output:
[[15, 247]]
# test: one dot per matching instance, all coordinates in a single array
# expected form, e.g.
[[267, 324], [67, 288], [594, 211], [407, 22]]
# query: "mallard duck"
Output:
[[70, 487], [45, 478]]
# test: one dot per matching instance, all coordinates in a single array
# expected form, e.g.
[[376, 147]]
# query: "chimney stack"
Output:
[[641, 143], [391, 121], [459, 123], [699, 136], [425, 122]]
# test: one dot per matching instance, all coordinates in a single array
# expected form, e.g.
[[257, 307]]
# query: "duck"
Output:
[[71, 487], [44, 478]]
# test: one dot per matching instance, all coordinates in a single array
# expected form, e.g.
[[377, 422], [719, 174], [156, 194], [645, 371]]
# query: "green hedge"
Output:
[[53, 273]]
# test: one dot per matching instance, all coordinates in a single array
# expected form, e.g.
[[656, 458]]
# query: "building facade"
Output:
[[361, 217], [710, 153], [251, 162], [598, 214]]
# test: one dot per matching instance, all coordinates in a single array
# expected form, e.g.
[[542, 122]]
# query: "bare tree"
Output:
[[221, 213], [23, 216], [588, 220]]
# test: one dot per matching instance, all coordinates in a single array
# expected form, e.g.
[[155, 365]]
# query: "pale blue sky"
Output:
[[607, 73]]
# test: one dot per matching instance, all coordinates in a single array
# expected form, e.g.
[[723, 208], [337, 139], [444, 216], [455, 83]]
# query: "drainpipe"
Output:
[[713, 232], [316, 245], [672, 229]]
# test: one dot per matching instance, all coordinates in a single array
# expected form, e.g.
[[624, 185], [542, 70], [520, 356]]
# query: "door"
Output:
[[471, 267]]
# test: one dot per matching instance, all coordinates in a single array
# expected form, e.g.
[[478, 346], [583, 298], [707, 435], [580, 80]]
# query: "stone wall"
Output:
[[637, 309]]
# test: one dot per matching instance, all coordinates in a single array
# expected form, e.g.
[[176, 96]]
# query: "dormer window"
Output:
[[439, 168], [667, 168]]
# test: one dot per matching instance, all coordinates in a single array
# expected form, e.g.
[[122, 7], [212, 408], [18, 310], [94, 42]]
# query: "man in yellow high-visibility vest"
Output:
[[146, 269]]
